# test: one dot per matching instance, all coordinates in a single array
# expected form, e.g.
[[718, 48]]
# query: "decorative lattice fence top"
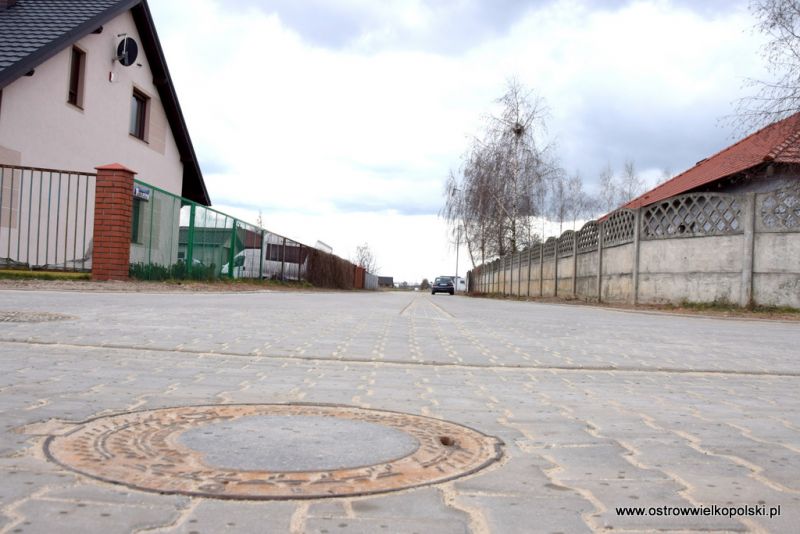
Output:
[[525, 256], [535, 252], [566, 243], [550, 247], [695, 214], [587, 237], [781, 209], [618, 228]]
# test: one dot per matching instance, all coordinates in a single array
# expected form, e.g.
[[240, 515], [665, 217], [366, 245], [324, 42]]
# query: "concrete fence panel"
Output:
[[685, 269], [586, 283], [697, 247], [776, 248]]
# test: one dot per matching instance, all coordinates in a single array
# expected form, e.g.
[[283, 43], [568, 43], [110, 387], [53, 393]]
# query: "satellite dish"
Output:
[[127, 51]]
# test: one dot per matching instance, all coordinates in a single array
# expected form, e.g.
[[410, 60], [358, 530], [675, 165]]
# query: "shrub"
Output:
[[328, 270], [176, 271]]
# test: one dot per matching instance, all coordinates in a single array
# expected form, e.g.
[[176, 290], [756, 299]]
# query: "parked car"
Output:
[[443, 284]]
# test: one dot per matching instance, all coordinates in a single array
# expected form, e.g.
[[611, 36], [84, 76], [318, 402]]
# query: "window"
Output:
[[138, 127], [75, 95]]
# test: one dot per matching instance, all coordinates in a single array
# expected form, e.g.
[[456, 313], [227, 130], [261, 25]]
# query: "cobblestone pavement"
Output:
[[597, 408]]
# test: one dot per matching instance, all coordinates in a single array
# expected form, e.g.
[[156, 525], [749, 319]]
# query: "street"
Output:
[[596, 408]]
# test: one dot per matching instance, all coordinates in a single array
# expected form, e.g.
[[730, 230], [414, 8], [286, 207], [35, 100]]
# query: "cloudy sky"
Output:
[[339, 120]]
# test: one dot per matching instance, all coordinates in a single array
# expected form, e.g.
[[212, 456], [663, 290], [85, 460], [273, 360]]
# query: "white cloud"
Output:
[[316, 135]]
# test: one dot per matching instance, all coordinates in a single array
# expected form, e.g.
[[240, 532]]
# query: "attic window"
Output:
[[138, 126], [75, 94]]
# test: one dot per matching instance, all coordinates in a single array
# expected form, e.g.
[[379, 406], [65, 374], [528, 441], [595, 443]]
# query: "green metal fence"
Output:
[[175, 238], [47, 222]]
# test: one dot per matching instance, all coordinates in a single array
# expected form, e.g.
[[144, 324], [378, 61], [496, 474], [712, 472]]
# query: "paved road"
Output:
[[597, 408]]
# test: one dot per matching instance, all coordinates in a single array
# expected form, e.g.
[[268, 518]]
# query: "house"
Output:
[[86, 83]]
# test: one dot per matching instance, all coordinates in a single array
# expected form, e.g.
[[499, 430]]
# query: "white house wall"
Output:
[[39, 128]]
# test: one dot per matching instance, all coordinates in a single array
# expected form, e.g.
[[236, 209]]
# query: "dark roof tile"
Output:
[[31, 25]]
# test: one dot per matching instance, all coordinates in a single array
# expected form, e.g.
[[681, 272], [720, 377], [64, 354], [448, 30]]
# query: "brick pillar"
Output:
[[113, 215]]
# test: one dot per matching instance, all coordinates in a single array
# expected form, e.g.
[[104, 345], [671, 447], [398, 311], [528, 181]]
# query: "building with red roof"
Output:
[[763, 161]]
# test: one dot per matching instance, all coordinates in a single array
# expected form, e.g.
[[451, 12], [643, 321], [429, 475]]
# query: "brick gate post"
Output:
[[113, 215]]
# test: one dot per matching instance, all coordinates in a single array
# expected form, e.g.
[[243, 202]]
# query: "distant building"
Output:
[[324, 247], [385, 281]]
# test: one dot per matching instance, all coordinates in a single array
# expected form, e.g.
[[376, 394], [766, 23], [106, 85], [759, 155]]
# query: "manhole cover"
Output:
[[31, 317], [272, 451]]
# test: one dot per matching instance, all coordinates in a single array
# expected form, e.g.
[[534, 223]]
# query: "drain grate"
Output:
[[272, 451], [32, 317]]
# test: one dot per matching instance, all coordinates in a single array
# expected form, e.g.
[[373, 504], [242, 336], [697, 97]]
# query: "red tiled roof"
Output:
[[779, 142]]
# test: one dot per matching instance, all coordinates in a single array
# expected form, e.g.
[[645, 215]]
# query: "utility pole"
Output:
[[458, 242], [456, 191]]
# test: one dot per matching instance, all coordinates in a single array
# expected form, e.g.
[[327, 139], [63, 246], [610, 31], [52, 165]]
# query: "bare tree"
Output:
[[580, 203], [616, 190], [559, 201], [260, 220], [779, 21], [609, 191], [459, 219], [542, 195], [365, 258], [492, 201], [515, 137], [630, 185]]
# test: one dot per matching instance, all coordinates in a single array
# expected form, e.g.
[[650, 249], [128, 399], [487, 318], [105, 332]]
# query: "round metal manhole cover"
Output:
[[272, 451], [32, 317]]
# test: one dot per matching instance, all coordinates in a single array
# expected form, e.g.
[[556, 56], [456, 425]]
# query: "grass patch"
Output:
[[723, 306], [775, 310], [178, 274], [13, 274]]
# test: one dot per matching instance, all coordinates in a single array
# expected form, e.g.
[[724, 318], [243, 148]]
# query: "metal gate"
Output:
[[46, 218]]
